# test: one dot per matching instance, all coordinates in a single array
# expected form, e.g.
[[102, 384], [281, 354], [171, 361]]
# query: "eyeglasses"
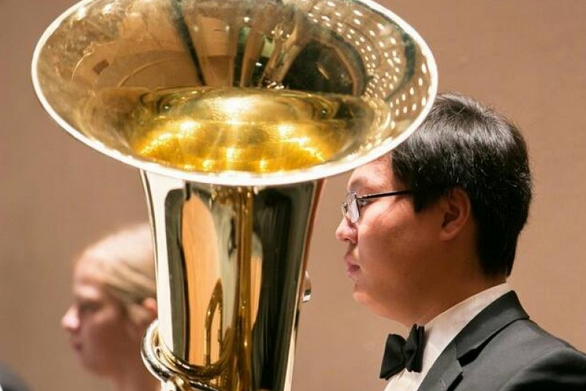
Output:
[[351, 206]]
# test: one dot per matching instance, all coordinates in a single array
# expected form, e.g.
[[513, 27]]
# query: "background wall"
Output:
[[526, 58]]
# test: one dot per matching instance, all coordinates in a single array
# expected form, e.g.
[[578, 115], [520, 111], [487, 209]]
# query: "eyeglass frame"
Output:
[[353, 199]]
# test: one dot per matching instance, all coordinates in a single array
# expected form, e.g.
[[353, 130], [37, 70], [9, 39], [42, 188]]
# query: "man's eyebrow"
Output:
[[357, 183]]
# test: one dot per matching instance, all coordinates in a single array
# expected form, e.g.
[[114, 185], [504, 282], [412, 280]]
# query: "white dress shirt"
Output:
[[440, 331]]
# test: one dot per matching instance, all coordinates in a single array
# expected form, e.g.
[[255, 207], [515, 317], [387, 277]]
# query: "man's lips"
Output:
[[351, 265]]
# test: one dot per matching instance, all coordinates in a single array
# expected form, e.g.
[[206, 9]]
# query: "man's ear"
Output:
[[457, 213]]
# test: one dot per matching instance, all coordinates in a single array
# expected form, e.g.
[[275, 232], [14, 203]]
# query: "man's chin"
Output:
[[360, 297], [367, 301]]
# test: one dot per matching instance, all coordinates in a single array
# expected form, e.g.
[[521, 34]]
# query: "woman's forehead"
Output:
[[87, 287], [88, 272], [87, 265]]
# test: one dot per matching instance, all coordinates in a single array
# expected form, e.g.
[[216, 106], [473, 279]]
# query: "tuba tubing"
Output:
[[230, 287]]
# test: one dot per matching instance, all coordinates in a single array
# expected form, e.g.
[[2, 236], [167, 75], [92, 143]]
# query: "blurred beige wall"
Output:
[[524, 57]]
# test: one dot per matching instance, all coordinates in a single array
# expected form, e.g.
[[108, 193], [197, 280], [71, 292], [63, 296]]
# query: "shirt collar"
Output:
[[442, 329]]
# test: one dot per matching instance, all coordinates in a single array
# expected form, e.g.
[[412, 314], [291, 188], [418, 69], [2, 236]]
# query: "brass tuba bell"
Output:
[[234, 111]]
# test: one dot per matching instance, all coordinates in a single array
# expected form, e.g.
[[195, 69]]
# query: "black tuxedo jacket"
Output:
[[501, 349]]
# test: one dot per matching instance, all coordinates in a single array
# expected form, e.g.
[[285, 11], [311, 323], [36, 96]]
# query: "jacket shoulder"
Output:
[[524, 356]]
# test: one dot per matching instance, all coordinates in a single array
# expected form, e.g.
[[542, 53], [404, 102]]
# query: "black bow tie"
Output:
[[401, 354]]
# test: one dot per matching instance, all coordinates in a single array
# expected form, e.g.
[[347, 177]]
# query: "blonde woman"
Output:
[[113, 304]]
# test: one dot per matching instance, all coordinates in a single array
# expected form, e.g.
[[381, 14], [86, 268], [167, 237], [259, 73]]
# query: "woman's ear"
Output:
[[457, 213], [150, 304], [141, 315]]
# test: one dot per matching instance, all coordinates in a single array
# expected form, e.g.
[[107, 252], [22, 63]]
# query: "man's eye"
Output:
[[361, 202]]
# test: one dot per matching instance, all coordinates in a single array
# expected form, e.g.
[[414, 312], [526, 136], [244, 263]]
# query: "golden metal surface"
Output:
[[253, 244], [248, 130], [234, 111], [332, 83]]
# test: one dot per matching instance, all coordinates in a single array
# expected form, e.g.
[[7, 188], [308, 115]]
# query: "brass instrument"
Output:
[[234, 111]]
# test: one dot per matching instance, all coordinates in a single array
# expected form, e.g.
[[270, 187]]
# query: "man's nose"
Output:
[[346, 232]]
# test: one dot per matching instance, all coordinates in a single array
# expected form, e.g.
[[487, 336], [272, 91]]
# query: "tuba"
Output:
[[234, 112]]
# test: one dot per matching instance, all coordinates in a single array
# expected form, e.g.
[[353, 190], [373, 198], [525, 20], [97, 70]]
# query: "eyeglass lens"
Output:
[[350, 208]]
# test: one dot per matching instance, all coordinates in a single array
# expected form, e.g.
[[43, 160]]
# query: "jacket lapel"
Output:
[[448, 368], [444, 372]]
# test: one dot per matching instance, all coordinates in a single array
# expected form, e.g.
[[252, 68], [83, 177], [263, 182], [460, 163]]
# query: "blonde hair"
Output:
[[125, 266]]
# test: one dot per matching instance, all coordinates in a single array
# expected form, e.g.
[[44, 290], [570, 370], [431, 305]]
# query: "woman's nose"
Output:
[[70, 320]]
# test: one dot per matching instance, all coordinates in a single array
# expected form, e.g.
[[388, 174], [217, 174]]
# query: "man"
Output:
[[431, 231]]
